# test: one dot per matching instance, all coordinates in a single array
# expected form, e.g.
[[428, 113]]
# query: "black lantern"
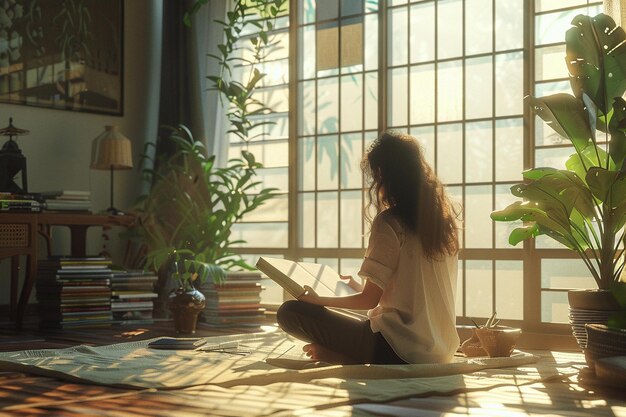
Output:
[[12, 162]]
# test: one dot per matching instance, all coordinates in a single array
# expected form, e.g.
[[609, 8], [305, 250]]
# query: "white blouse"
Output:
[[416, 312]]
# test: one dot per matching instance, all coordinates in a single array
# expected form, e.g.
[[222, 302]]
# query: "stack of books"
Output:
[[67, 200], [236, 302], [74, 292], [10, 202], [132, 297]]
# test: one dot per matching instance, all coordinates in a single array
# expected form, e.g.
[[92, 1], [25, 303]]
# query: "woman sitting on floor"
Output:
[[410, 272]]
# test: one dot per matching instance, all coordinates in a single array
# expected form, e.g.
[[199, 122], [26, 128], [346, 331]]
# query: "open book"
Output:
[[293, 276]]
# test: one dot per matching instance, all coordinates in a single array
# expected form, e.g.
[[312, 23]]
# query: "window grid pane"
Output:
[[465, 106], [461, 94], [339, 114]]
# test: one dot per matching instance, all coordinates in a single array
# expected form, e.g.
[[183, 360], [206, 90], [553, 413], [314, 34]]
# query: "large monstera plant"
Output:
[[583, 206]]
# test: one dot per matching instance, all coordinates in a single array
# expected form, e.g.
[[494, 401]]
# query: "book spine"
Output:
[[27, 196], [20, 209], [20, 203]]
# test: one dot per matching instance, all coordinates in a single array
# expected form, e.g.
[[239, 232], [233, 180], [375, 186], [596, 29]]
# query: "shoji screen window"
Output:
[[455, 73], [337, 83]]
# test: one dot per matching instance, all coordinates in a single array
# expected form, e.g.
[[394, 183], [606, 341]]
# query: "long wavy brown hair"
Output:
[[401, 179]]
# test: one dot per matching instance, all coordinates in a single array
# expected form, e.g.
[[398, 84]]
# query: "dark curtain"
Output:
[[175, 105], [185, 96]]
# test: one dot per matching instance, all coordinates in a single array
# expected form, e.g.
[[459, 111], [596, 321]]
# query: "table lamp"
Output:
[[111, 150], [12, 161]]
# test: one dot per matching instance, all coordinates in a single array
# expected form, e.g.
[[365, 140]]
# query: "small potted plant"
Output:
[[185, 301], [495, 340]]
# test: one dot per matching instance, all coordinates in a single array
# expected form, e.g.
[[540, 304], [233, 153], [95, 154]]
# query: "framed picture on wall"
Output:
[[62, 54]]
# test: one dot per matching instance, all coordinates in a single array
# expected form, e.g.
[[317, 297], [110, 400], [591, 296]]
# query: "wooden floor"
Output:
[[22, 394]]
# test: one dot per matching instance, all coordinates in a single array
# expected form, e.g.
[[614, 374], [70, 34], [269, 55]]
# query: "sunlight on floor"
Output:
[[537, 399], [593, 403], [132, 333]]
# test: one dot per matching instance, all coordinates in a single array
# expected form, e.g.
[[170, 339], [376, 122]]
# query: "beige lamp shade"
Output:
[[111, 150]]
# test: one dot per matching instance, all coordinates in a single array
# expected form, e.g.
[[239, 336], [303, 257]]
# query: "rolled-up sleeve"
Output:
[[382, 253]]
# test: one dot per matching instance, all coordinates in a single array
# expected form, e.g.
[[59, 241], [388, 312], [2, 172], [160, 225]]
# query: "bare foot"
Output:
[[320, 353]]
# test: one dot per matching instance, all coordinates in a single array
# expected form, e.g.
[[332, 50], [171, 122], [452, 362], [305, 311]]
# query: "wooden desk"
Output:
[[18, 238]]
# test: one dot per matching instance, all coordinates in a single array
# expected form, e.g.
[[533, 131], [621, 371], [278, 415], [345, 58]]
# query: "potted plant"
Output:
[[491, 339], [190, 210], [583, 207], [185, 301]]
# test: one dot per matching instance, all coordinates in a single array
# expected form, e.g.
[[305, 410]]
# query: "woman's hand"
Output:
[[352, 282], [310, 296], [365, 300]]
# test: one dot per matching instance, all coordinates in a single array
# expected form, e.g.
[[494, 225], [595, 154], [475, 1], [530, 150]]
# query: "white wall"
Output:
[[59, 144]]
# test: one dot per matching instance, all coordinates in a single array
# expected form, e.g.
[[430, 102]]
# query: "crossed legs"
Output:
[[334, 337]]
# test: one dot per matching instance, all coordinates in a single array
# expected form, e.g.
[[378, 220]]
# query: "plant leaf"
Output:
[[519, 234], [545, 215], [566, 115], [596, 59], [601, 182], [591, 156], [558, 189]]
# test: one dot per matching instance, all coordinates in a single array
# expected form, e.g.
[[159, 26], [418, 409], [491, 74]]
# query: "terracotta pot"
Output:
[[498, 341], [472, 347], [185, 305]]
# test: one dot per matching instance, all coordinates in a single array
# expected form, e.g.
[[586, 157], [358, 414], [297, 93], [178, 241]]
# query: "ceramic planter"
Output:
[[589, 307], [603, 342], [185, 306]]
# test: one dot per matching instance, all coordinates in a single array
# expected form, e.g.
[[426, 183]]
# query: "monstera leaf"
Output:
[[596, 59]]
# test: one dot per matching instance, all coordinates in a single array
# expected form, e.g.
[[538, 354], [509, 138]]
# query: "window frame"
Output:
[[530, 256]]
